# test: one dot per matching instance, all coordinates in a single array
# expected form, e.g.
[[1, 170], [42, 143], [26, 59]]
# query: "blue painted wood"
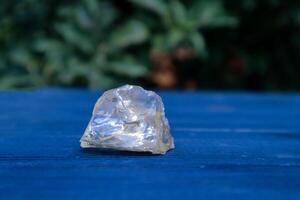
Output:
[[228, 146]]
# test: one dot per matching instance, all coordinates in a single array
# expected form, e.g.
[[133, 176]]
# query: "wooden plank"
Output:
[[228, 145]]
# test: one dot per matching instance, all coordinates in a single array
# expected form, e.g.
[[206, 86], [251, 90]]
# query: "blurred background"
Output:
[[164, 44]]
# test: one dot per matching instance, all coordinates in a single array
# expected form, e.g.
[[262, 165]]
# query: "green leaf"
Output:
[[157, 6], [102, 13], [74, 37], [131, 33], [158, 42], [198, 43], [20, 56], [72, 69], [98, 79], [23, 58], [222, 21], [174, 38], [92, 6], [54, 50], [83, 18], [178, 13], [128, 67], [211, 14]]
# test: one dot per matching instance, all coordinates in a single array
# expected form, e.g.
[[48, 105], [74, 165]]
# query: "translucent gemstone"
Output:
[[129, 118]]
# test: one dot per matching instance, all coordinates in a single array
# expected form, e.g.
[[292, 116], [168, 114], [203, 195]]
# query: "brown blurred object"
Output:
[[236, 64], [184, 57], [175, 70], [164, 73], [184, 53]]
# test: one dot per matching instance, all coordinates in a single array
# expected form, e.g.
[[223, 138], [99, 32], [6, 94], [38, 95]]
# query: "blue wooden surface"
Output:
[[228, 146]]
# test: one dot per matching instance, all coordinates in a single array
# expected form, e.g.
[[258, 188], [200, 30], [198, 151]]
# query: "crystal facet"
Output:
[[129, 118]]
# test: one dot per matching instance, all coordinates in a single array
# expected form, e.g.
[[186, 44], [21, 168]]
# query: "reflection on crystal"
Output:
[[129, 118]]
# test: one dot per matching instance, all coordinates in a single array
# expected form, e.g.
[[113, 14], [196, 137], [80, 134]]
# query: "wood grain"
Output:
[[228, 146]]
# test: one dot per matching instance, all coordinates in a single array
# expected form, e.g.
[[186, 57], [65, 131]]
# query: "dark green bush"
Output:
[[234, 44]]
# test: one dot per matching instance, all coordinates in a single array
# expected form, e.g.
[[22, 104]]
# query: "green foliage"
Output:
[[181, 23], [82, 46], [102, 43]]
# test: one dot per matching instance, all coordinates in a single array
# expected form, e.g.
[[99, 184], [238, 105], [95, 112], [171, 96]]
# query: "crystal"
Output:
[[129, 118]]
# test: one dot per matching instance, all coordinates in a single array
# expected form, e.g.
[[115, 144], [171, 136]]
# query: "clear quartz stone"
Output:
[[129, 118]]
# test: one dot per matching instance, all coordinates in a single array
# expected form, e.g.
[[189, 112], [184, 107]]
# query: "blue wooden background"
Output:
[[228, 146]]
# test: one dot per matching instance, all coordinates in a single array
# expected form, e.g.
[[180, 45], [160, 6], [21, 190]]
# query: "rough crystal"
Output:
[[129, 118]]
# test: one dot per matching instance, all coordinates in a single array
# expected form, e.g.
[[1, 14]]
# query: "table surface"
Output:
[[228, 146]]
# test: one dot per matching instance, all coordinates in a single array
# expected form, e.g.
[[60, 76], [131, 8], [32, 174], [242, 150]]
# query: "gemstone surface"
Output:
[[129, 118]]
